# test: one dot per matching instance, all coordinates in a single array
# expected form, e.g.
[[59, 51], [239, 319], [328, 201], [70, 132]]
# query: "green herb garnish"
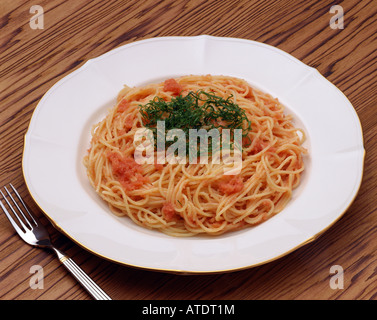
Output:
[[196, 110]]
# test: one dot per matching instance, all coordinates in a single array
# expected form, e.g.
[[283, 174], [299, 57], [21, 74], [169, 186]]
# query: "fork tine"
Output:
[[19, 210], [24, 205], [14, 210], [10, 218]]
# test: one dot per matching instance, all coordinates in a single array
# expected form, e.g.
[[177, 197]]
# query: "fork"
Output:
[[34, 233]]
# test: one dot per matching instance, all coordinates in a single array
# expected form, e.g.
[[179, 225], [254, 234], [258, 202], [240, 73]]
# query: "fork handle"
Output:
[[94, 290]]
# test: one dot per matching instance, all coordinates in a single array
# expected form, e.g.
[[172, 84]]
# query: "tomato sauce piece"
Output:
[[123, 105], [158, 166], [129, 122], [246, 141], [259, 146], [127, 171], [230, 186], [173, 86], [168, 210]]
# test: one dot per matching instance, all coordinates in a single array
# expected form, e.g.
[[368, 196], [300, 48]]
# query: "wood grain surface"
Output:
[[32, 60]]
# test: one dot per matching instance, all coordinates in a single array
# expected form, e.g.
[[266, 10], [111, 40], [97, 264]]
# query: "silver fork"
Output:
[[34, 233]]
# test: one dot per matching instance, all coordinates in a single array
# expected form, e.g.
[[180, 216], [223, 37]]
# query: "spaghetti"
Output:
[[189, 199]]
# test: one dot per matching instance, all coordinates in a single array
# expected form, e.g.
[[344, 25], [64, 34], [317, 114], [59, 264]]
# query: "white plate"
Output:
[[59, 134]]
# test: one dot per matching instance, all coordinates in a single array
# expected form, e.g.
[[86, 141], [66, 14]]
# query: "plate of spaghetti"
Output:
[[193, 154]]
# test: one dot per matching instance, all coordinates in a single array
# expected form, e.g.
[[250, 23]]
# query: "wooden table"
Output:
[[32, 60]]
